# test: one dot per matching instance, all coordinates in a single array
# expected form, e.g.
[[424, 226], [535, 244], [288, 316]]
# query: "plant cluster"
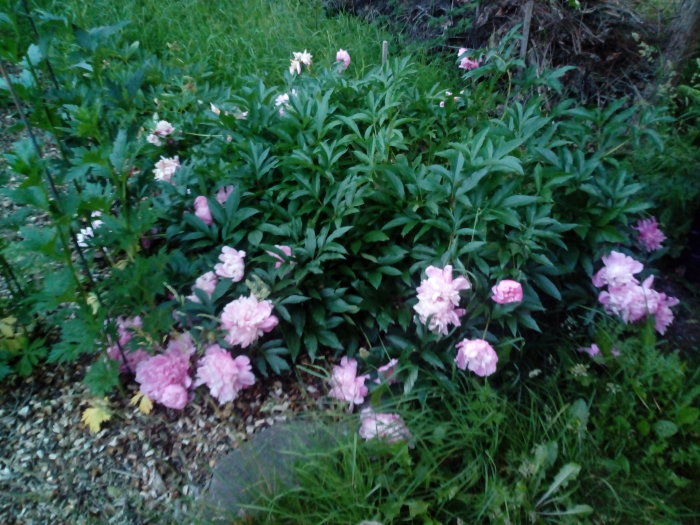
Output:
[[307, 212]]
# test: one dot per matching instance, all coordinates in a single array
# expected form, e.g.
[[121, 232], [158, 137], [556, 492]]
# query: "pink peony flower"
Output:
[[201, 209], [594, 351], [223, 194], [507, 291], [633, 302], [206, 283], [224, 376], [125, 332], [246, 319], [284, 249], [388, 427], [299, 59], [344, 57], [174, 396], [619, 269], [304, 57], [630, 301], [663, 314], [386, 372], [346, 385], [295, 67], [649, 235], [466, 63], [282, 102], [438, 296], [165, 377], [166, 167], [163, 128], [232, 265], [478, 355]]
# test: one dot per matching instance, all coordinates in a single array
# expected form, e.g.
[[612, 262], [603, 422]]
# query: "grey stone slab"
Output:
[[264, 465]]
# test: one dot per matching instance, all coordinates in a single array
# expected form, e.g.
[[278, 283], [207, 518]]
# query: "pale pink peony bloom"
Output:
[[207, 283], [295, 67], [165, 377], [594, 351], [223, 194], [478, 355], [663, 314], [386, 372], [619, 269], [630, 301], [438, 297], [284, 249], [163, 128], [232, 265], [282, 99], [466, 63], [125, 332], [181, 346], [246, 319], [239, 115], [282, 102], [299, 59], [388, 427], [346, 385], [633, 302], [507, 291], [304, 57], [224, 375], [174, 396], [649, 235], [344, 57], [201, 209], [166, 167]]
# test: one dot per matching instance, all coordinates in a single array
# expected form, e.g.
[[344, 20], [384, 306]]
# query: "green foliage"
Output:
[[670, 170], [554, 449], [369, 180], [234, 40]]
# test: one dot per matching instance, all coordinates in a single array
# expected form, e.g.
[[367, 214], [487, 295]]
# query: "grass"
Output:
[[560, 453], [235, 39]]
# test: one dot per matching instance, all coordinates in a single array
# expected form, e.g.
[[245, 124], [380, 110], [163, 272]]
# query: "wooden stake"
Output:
[[527, 20]]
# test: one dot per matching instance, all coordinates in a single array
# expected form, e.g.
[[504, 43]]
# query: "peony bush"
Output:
[[333, 215]]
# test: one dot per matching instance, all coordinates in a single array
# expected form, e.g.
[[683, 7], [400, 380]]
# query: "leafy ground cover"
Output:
[[450, 254]]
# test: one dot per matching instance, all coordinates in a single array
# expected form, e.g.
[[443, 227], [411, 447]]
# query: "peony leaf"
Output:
[[146, 405], [6, 327], [135, 398], [94, 416], [144, 402]]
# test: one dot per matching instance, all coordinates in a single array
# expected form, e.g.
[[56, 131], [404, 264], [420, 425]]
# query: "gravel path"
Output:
[[139, 468]]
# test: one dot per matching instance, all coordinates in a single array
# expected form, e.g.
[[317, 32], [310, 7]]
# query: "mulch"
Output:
[[138, 468]]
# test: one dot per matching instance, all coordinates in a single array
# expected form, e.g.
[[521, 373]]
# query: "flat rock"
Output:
[[263, 465]]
